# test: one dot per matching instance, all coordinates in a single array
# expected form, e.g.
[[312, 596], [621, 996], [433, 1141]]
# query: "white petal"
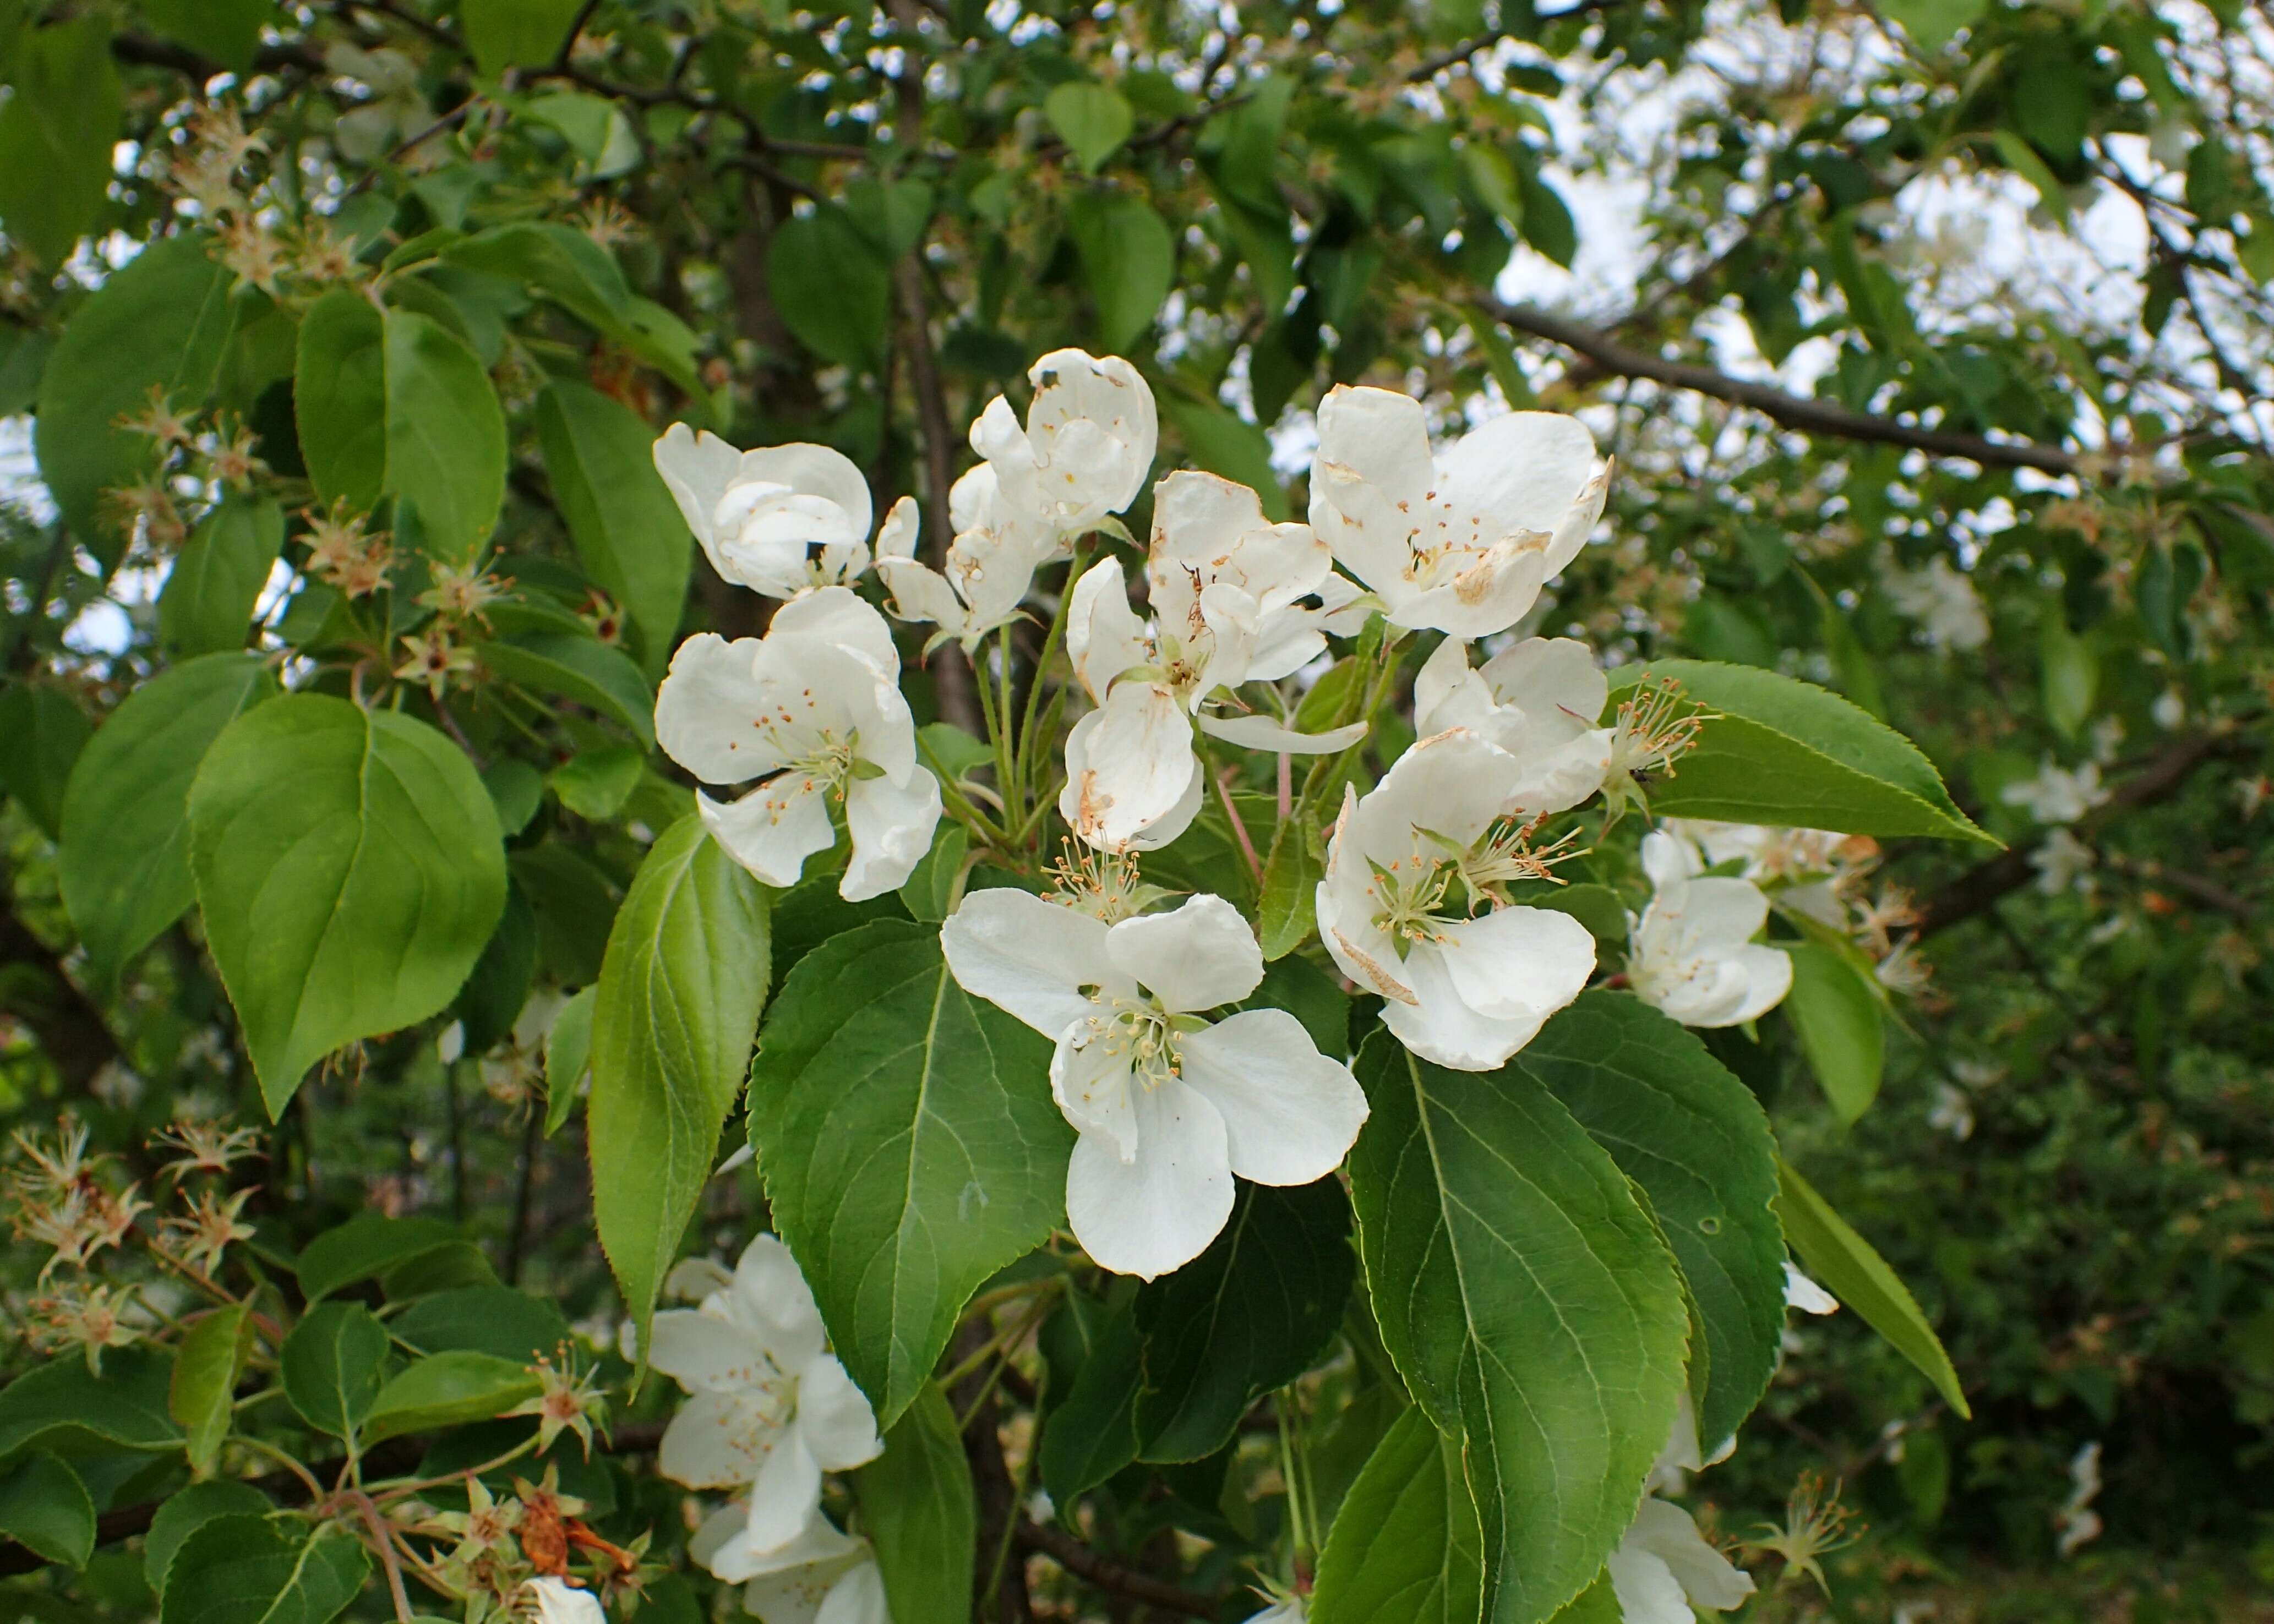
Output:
[[1262, 732], [1516, 963], [833, 1415], [1195, 957], [1290, 1114], [1667, 861], [697, 467], [1129, 763], [1527, 470], [770, 1295], [1441, 1025], [901, 531], [558, 1602], [1647, 1589], [718, 1440], [1103, 636], [1159, 1211], [1768, 978], [1025, 956], [704, 1353], [1091, 1081], [1804, 1294], [856, 1599], [1556, 682], [840, 615], [1560, 777], [892, 829], [1369, 534], [1379, 436], [707, 711], [775, 828], [814, 470], [1198, 521], [783, 1490], [723, 1545], [1707, 1577], [1165, 829], [921, 593], [1455, 784], [1489, 597]]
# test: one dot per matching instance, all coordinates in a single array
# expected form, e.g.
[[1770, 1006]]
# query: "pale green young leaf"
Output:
[[204, 1386], [568, 1057], [447, 1389]]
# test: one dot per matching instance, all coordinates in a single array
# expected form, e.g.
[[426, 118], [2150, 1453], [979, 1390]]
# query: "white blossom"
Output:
[[819, 1576], [2079, 1524], [1664, 1570], [988, 566], [1213, 549], [1804, 1294], [771, 1408], [1167, 1103], [1287, 1610], [2063, 862], [1463, 541], [559, 1602], [1953, 1112], [782, 520], [813, 710], [1084, 451], [1944, 603], [2057, 794], [1693, 953], [1538, 700], [1463, 988]]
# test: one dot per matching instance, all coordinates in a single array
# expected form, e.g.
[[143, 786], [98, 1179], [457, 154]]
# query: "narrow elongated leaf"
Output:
[[339, 398], [1695, 1141], [216, 580], [1841, 1027], [350, 869], [63, 1405], [917, 1504], [55, 134], [448, 1389], [239, 1569], [1406, 1547], [1249, 1314], [186, 1512], [680, 993], [1846, 1264], [45, 1508], [568, 1057], [446, 449], [628, 532], [333, 1362], [1288, 910], [42, 733], [204, 1388], [1529, 1303], [124, 858], [909, 1145], [1785, 752]]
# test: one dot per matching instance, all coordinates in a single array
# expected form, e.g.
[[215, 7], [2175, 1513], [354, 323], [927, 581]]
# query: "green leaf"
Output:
[[1847, 1266], [1288, 912], [339, 398], [568, 1057], [627, 531], [1092, 120], [909, 1143], [228, 31], [42, 735], [160, 320], [493, 1320], [1597, 907], [892, 213], [1130, 261], [56, 129], [918, 1509], [680, 993], [187, 1511], [365, 1247], [930, 892], [1838, 1017], [204, 1389], [1932, 24], [576, 906], [45, 1508], [2068, 672], [1530, 1304], [448, 1389], [509, 33], [350, 869], [517, 789], [1406, 1547], [446, 446], [579, 667], [124, 859], [239, 1569], [208, 603], [1695, 1140], [61, 1405], [831, 285], [497, 987], [333, 1363], [1092, 1433], [595, 783], [1785, 752], [1248, 1315], [558, 260]]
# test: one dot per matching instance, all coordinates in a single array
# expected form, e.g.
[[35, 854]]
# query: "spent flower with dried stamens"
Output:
[[206, 1146], [608, 222], [463, 592], [88, 1318], [1816, 1524], [231, 458], [571, 1401], [343, 555], [199, 1238], [255, 253], [55, 1170], [323, 256], [435, 659], [158, 419], [604, 618], [149, 508]]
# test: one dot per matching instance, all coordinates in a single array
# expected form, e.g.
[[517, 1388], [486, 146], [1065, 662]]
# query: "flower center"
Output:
[[1139, 1032]]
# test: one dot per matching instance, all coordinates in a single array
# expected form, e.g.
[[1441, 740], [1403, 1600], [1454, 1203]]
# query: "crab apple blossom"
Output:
[[814, 711], [780, 520], [1664, 1570], [1538, 700], [1084, 450], [1169, 1103], [559, 1602], [1693, 952], [1412, 908], [988, 568], [819, 1576]]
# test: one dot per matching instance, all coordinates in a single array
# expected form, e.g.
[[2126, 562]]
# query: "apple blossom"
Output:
[[1169, 1104], [1693, 952], [1804, 1294], [1463, 541], [780, 520], [1943, 602], [559, 1602], [1462, 988], [772, 1407], [2057, 795], [819, 1576], [1538, 700], [1664, 1570], [1085, 450], [988, 568], [814, 710]]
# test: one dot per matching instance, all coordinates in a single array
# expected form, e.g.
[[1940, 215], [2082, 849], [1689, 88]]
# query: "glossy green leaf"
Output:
[[831, 285], [1091, 1432], [494, 1319], [1841, 1027], [1781, 751], [568, 1057], [241, 1569], [45, 1508], [1845, 1265], [65, 1406], [506, 33], [188, 1510], [581, 668], [909, 1143], [56, 129], [1694, 1141], [679, 998], [448, 1389], [1406, 1547], [217, 577], [918, 1509], [1529, 1303], [930, 891], [1091, 119], [1248, 1315], [366, 1247], [595, 783], [125, 856], [1288, 912], [339, 398], [627, 531], [446, 446], [42, 735], [349, 870], [333, 1366], [1129, 260], [204, 1386]]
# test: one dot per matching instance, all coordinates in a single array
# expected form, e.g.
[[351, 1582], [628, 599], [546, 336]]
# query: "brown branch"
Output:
[[1108, 1575], [2203, 892], [66, 1022], [142, 51], [1793, 411]]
